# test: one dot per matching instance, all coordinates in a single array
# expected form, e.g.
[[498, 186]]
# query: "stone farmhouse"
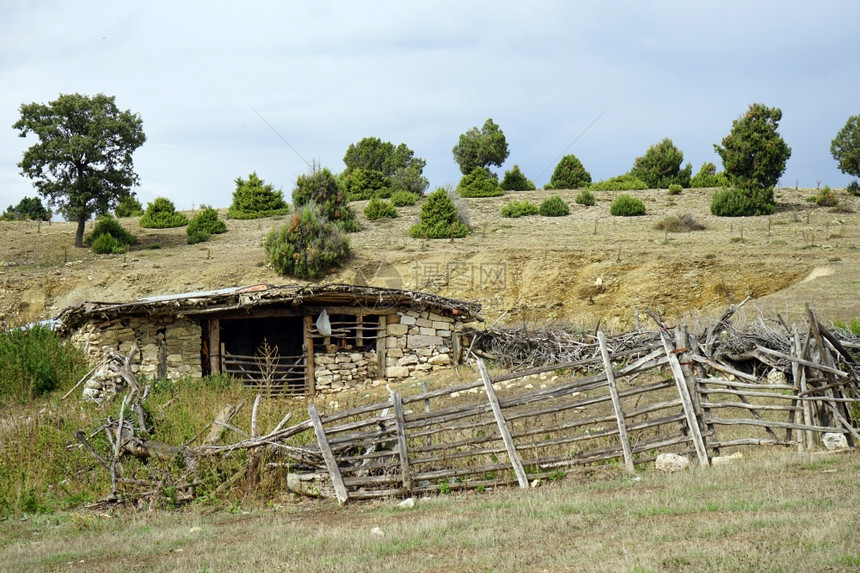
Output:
[[294, 339]]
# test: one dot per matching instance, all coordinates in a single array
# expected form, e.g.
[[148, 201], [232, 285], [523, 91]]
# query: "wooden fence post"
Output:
[[513, 455], [401, 442], [616, 404], [686, 401], [330, 462]]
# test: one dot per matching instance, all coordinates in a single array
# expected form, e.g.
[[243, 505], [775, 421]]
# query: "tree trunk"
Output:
[[79, 234]]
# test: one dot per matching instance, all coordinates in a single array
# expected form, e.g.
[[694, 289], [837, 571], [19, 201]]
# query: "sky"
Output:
[[603, 80]]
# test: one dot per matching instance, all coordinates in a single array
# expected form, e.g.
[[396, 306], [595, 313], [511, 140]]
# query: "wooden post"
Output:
[[330, 462], [382, 336], [310, 376], [616, 404], [214, 346], [513, 455], [699, 385], [401, 442], [427, 409], [800, 382], [686, 401]]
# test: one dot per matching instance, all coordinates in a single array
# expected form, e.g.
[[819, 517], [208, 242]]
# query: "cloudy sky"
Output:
[[326, 74]]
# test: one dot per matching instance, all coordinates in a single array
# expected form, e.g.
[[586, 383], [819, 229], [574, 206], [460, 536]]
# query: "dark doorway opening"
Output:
[[267, 353]]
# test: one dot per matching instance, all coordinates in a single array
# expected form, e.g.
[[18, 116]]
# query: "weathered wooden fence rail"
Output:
[[676, 395]]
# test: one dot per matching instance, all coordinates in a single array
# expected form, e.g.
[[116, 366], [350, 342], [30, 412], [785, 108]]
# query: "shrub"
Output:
[[585, 197], [554, 207], [128, 206], [515, 180], [661, 166], [626, 206], [35, 361], [479, 183], [708, 177], [378, 209], [404, 198], [754, 154], [361, 184], [734, 202], [826, 198], [117, 238], [569, 174], [321, 187], [162, 214], [308, 247], [516, 209], [853, 188], [203, 224], [438, 218], [253, 199], [674, 224], [620, 183], [675, 189]]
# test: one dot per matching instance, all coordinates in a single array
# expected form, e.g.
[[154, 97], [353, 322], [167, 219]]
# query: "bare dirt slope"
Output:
[[585, 267]]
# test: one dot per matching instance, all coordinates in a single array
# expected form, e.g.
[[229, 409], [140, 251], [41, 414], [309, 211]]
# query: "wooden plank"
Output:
[[380, 346], [401, 442], [754, 422], [800, 380], [804, 362], [214, 327], [686, 401], [616, 404], [310, 376], [328, 457], [513, 455]]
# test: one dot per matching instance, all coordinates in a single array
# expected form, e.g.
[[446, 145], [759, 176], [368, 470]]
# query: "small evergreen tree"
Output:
[[626, 206], [585, 197], [162, 214], [479, 183], [708, 177], [204, 224], [28, 208], [554, 206], [308, 247], [481, 148], [109, 237], [515, 180], [661, 166], [128, 206], [404, 198], [253, 198], [438, 218], [321, 187], [378, 209], [515, 209], [845, 147], [569, 174]]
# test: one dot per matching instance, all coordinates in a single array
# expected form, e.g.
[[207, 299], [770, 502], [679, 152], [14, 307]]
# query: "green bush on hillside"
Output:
[[735, 202], [438, 218], [479, 183], [569, 174], [620, 183], [515, 180], [516, 209], [554, 206], [404, 198], [708, 177], [308, 247], [204, 224], [585, 197], [253, 198], [162, 214], [379, 209], [128, 206], [109, 237], [627, 206]]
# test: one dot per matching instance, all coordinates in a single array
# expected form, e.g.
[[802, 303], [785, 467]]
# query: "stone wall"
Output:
[[418, 342], [342, 370], [173, 343]]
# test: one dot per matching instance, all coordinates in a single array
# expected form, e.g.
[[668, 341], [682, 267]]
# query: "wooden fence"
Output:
[[267, 372], [676, 395]]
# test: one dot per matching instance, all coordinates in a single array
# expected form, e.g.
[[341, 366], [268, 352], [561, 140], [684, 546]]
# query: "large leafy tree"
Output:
[[753, 153], [661, 166], [481, 148], [845, 147], [82, 163], [373, 165]]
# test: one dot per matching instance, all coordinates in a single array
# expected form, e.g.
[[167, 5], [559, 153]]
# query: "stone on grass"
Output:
[[723, 460], [407, 503], [671, 463], [833, 441]]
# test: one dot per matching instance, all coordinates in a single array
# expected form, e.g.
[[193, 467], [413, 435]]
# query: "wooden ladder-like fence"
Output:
[[670, 396]]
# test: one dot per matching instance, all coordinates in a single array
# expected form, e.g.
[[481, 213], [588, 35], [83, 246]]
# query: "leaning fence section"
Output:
[[678, 392]]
